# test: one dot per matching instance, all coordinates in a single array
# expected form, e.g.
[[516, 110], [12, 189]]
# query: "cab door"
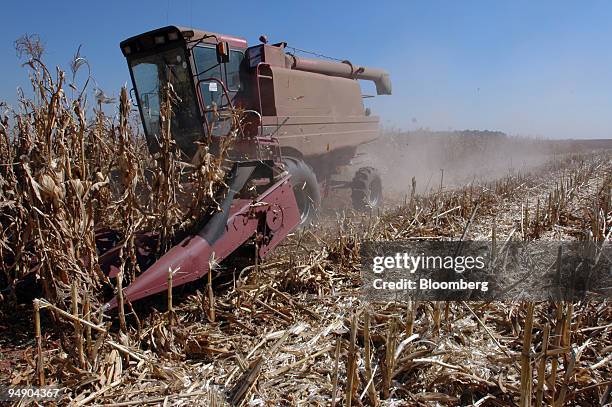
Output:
[[213, 97], [232, 73], [208, 69]]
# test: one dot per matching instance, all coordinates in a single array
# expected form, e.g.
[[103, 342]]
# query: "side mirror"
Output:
[[223, 53]]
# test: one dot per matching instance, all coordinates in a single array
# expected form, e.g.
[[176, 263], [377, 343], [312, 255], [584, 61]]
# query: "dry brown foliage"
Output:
[[64, 177]]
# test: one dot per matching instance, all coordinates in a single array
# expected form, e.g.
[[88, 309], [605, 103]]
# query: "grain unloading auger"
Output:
[[305, 119]]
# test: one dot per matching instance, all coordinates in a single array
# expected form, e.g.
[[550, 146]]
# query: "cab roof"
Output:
[[147, 40]]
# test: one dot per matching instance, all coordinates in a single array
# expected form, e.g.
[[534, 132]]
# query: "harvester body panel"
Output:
[[313, 106], [308, 110]]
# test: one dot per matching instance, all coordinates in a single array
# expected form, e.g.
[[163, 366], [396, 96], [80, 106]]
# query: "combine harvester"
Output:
[[305, 118]]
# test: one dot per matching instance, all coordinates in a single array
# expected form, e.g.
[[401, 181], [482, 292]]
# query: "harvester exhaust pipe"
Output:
[[343, 69]]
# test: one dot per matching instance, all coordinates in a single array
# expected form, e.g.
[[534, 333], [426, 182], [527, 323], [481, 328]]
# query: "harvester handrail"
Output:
[[259, 116], [225, 92], [257, 76], [201, 100]]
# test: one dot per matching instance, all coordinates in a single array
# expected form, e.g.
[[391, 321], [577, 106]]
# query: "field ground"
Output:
[[293, 330]]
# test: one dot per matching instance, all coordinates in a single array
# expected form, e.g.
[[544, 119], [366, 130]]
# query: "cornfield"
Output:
[[292, 330], [65, 178]]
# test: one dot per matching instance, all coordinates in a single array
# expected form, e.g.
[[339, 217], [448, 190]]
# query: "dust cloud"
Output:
[[452, 158]]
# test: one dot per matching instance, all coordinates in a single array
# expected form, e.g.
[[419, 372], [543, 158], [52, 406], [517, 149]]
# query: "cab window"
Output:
[[232, 69], [206, 62], [208, 67]]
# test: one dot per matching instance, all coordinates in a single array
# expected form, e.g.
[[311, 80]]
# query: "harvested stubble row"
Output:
[[291, 330]]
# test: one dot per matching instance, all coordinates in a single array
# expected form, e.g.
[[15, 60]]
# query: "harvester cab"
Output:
[[203, 70], [297, 121]]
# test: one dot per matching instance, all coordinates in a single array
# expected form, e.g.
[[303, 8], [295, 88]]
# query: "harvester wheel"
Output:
[[305, 187], [366, 189]]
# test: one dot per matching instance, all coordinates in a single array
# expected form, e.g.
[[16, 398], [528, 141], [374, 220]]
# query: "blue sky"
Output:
[[540, 68]]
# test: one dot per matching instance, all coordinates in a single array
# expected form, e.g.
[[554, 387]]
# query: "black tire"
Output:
[[366, 189], [306, 189]]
